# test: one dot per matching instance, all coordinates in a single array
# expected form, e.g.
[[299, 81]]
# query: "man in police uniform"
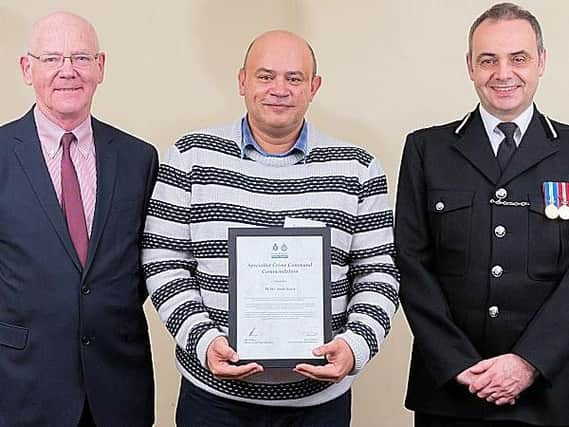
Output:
[[484, 280]]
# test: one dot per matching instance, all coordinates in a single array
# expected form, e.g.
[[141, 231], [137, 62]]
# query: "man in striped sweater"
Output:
[[262, 171]]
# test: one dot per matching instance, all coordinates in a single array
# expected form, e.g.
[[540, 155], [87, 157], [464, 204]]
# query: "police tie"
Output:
[[71, 201], [508, 145]]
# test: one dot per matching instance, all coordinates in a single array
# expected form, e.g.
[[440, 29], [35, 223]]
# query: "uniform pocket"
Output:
[[450, 213], [545, 242], [13, 336]]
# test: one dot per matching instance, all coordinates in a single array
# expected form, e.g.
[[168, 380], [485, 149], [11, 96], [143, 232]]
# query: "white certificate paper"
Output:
[[279, 294]]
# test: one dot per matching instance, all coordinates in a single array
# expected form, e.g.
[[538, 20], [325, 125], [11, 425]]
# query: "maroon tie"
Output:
[[71, 201]]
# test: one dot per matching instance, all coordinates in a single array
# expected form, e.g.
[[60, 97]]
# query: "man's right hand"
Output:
[[466, 377], [218, 356]]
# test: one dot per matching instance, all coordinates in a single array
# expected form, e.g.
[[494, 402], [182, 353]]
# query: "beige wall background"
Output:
[[388, 67]]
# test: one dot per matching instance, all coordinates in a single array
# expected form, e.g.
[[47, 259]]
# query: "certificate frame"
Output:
[[261, 234]]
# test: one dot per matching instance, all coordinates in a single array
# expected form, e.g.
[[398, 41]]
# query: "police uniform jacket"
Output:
[[483, 271]]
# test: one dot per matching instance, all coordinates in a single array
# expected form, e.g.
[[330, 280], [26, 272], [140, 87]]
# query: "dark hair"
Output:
[[507, 11]]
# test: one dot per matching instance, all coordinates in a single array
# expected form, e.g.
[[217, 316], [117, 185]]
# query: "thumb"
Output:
[[323, 349], [481, 366], [224, 351]]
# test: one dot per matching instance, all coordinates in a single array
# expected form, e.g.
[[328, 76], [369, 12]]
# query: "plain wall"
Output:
[[388, 68]]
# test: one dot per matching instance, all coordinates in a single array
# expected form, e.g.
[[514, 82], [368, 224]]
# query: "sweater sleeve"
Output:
[[168, 264], [374, 279]]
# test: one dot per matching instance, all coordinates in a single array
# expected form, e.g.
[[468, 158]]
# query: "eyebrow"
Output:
[[519, 52], [288, 73], [295, 73], [264, 70], [75, 52]]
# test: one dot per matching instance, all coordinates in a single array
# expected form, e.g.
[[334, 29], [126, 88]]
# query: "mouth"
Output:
[[505, 90], [277, 106], [67, 89]]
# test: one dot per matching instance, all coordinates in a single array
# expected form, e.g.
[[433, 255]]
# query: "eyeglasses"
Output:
[[54, 61]]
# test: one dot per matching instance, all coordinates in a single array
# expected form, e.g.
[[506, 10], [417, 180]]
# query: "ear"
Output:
[[469, 66], [542, 60], [241, 81], [314, 86], [101, 59], [26, 67]]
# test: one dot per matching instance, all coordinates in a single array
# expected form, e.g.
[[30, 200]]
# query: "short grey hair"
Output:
[[507, 11]]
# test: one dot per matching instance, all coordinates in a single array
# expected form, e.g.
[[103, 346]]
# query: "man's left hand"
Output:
[[501, 379], [340, 362]]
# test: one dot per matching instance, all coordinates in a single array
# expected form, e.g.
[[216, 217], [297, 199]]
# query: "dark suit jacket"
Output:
[[447, 245], [67, 334]]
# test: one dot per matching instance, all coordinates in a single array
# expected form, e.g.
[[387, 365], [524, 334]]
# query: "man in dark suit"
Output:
[[482, 250], [74, 347]]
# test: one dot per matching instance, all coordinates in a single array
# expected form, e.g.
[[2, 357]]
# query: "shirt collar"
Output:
[[50, 135], [491, 122], [248, 141]]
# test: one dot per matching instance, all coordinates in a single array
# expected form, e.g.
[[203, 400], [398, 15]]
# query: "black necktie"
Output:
[[508, 145]]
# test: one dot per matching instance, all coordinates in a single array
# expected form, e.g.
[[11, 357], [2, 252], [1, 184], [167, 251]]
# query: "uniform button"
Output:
[[85, 341], [497, 271], [493, 311], [85, 290], [439, 206], [501, 193], [500, 231]]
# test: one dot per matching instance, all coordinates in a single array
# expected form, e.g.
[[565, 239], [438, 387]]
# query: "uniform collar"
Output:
[[496, 135]]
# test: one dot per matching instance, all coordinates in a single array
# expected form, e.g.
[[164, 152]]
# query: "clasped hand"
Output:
[[499, 380]]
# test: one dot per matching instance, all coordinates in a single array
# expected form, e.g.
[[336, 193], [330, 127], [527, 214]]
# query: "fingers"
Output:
[[482, 366], [222, 351], [327, 372], [225, 371], [505, 401], [220, 358], [330, 348], [479, 383]]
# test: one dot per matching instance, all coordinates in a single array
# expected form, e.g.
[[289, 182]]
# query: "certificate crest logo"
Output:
[[279, 252]]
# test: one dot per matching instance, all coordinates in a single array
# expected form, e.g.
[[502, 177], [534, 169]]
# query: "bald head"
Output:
[[57, 23], [64, 66], [271, 37]]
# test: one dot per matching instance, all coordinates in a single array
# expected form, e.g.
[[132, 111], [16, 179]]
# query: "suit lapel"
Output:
[[474, 145], [534, 147], [29, 154], [106, 155]]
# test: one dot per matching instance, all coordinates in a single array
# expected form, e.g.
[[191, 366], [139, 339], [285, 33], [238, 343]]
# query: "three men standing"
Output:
[[484, 259]]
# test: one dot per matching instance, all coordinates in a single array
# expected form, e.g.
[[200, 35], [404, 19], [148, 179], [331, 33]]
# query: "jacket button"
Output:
[[85, 341], [493, 311], [497, 271], [500, 231], [439, 206], [85, 290], [501, 193]]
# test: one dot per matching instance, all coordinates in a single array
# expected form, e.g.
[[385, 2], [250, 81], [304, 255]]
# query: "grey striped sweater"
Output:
[[205, 185]]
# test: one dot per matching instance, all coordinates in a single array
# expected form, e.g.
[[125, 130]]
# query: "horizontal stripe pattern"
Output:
[[205, 186]]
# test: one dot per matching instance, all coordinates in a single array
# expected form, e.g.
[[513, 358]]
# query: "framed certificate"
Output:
[[279, 294]]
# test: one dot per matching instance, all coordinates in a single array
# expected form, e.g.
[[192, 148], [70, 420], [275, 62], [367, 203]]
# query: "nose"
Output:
[[67, 69], [504, 70], [279, 87]]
